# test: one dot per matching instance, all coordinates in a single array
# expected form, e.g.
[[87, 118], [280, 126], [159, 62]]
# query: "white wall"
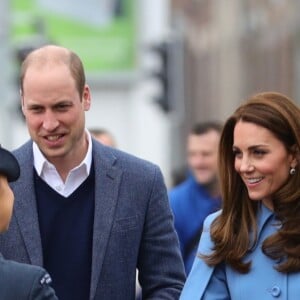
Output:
[[138, 125], [125, 106]]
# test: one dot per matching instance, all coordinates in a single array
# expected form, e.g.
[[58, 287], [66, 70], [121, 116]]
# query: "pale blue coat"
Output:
[[263, 282]]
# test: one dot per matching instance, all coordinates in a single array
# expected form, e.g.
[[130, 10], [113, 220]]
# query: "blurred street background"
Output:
[[155, 67]]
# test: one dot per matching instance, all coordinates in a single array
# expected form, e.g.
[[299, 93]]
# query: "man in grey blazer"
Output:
[[90, 214], [17, 281]]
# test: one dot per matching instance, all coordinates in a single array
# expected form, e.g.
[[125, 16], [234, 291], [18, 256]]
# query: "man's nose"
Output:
[[50, 121]]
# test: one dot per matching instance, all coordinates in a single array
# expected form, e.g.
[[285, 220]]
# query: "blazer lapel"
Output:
[[107, 183], [26, 210]]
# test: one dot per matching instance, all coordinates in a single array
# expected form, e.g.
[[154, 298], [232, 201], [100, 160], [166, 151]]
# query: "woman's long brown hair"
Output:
[[232, 229]]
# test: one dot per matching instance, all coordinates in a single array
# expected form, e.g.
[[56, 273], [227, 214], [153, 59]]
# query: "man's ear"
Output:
[[86, 97], [22, 101]]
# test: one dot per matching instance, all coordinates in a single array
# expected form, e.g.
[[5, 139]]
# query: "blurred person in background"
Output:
[[179, 175], [250, 248], [17, 281], [199, 195], [103, 136], [90, 214]]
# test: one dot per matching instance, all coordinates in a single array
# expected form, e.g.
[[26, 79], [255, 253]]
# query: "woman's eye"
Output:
[[236, 153], [259, 152]]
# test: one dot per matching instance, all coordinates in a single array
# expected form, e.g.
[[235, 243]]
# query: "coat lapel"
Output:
[[107, 183], [26, 210]]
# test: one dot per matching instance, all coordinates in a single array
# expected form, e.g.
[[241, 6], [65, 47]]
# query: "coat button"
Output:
[[275, 291]]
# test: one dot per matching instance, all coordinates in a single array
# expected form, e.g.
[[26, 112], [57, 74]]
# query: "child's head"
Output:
[[9, 171]]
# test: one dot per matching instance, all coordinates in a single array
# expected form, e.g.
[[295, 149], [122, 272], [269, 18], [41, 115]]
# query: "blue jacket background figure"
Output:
[[191, 204]]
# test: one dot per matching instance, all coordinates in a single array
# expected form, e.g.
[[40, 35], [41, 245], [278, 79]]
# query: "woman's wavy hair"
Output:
[[234, 231]]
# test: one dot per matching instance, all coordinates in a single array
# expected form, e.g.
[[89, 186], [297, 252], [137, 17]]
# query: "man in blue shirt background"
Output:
[[199, 194]]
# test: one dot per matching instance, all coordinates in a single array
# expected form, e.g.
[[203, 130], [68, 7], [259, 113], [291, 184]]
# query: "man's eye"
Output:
[[63, 107], [36, 109]]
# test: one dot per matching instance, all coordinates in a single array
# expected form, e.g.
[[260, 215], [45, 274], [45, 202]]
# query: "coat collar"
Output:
[[264, 214]]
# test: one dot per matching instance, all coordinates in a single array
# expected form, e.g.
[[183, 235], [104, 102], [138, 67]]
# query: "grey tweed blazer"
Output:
[[133, 227]]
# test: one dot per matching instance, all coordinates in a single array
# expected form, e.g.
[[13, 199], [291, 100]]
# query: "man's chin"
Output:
[[204, 180]]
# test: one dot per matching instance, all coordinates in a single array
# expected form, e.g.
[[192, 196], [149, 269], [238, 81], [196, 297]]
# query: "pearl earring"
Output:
[[292, 171]]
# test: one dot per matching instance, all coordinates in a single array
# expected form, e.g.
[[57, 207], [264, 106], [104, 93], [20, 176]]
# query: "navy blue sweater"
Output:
[[66, 226]]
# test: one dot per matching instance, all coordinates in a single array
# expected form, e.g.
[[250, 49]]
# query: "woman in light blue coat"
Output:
[[251, 248]]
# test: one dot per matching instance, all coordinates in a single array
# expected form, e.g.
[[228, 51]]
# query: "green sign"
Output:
[[101, 32]]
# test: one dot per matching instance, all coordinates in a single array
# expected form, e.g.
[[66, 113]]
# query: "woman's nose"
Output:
[[246, 165]]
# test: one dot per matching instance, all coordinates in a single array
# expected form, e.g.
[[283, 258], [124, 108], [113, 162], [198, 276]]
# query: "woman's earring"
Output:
[[292, 171]]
